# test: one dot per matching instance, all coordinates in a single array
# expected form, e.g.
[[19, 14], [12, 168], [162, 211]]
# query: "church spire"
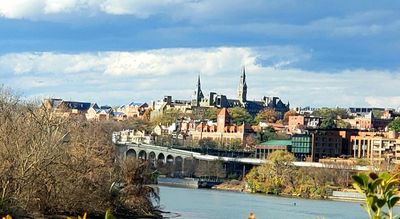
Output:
[[197, 94], [242, 89]]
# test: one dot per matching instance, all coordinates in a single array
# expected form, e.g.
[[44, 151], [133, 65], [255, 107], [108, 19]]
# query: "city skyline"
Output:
[[115, 52]]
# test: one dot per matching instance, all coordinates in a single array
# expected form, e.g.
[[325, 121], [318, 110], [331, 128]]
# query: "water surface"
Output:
[[211, 204]]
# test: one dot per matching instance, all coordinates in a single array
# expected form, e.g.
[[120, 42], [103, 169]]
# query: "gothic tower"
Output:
[[242, 89], [197, 94]]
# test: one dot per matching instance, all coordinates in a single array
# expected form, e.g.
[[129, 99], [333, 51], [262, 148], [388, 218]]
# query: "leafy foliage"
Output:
[[199, 113], [288, 114], [333, 113], [168, 117], [380, 192], [328, 123], [279, 176], [240, 115], [207, 143], [395, 125], [268, 115]]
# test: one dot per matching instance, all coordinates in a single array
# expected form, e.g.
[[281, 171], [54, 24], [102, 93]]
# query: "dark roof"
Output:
[[254, 105], [81, 106]]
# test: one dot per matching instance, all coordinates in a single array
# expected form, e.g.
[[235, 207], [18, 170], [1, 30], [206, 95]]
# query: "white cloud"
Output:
[[150, 63], [146, 75]]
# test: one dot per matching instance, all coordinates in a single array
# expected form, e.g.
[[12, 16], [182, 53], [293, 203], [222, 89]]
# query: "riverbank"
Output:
[[347, 196]]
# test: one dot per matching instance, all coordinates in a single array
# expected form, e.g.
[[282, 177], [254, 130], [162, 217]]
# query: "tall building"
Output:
[[242, 89], [197, 96], [222, 101], [223, 120]]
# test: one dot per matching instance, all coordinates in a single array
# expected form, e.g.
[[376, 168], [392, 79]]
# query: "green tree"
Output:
[[168, 117], [205, 143], [266, 134], [340, 123], [236, 144], [240, 115], [266, 115], [199, 113], [334, 113], [328, 123], [395, 125], [140, 124], [272, 177]]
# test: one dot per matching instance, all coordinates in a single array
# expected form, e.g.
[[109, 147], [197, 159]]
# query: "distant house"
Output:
[[64, 108], [96, 113], [302, 122], [133, 110]]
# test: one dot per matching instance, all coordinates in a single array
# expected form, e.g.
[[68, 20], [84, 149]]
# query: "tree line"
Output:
[[59, 166]]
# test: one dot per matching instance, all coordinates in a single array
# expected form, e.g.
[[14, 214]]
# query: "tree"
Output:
[[52, 164], [140, 124], [209, 113], [333, 113], [168, 117], [395, 125], [205, 143], [267, 115], [236, 144], [340, 123], [240, 115], [250, 141], [288, 114], [328, 123], [147, 113], [266, 134]]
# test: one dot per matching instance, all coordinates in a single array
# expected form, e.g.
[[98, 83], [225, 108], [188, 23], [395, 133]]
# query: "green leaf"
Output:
[[373, 175], [360, 179], [392, 202], [109, 215]]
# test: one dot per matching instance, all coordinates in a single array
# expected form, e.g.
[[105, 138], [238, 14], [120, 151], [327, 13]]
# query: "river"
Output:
[[213, 204]]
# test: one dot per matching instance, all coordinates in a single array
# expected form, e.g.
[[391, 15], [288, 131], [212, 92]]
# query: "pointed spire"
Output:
[[198, 81], [242, 89]]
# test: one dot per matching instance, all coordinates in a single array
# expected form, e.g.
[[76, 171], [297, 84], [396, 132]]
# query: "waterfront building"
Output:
[[302, 146], [377, 147], [264, 149], [223, 132]]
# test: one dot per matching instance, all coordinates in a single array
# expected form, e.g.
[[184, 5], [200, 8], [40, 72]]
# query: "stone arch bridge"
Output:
[[166, 155]]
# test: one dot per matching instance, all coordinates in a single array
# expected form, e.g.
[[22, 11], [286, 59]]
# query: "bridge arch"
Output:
[[178, 165], [170, 159], [161, 158], [152, 157], [142, 155], [131, 153]]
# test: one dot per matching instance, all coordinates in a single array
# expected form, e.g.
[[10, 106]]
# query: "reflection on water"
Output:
[[210, 204]]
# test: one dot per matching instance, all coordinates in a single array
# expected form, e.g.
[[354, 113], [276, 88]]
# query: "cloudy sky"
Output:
[[311, 53]]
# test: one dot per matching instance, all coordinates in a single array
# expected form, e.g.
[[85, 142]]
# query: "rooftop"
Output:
[[277, 143]]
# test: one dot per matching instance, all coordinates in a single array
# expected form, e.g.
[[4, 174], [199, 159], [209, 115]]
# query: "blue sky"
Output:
[[317, 53]]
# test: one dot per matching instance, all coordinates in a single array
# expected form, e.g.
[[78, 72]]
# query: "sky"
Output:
[[309, 53]]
